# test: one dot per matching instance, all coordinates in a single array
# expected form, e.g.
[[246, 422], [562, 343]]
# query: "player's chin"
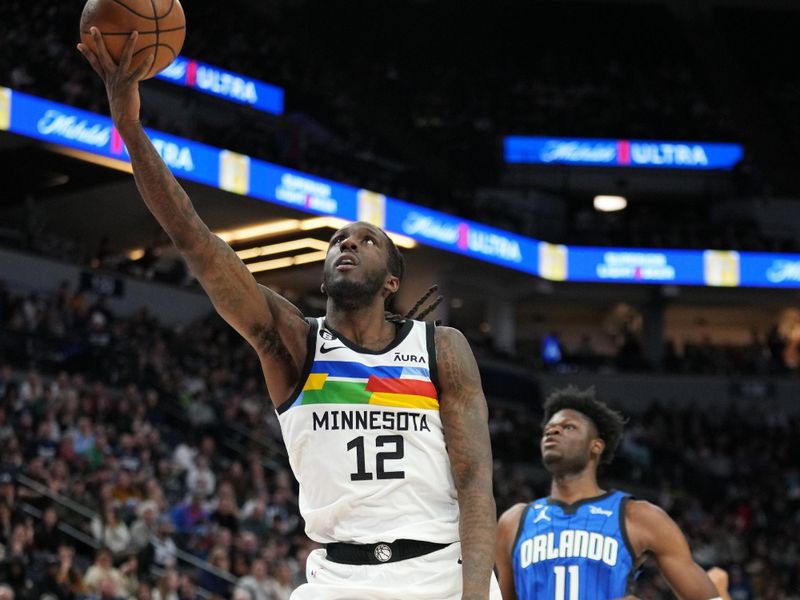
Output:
[[551, 456]]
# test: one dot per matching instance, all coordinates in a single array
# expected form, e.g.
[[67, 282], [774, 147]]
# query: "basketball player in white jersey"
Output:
[[385, 423]]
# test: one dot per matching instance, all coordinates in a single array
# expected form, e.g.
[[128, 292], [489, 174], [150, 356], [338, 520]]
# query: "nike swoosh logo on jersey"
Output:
[[325, 350]]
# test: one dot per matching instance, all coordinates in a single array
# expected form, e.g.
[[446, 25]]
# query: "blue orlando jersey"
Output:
[[573, 552]]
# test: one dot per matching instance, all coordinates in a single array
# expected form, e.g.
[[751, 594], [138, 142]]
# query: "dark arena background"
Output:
[[606, 192]]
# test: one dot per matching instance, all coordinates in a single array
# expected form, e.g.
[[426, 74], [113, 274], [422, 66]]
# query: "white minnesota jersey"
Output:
[[366, 443]]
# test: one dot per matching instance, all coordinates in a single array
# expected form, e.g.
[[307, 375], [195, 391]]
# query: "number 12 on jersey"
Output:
[[561, 581], [361, 473]]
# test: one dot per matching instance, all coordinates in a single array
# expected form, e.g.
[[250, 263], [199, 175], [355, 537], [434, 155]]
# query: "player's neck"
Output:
[[573, 487], [365, 327]]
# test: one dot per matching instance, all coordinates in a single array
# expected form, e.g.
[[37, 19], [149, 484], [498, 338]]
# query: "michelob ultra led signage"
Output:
[[650, 154]]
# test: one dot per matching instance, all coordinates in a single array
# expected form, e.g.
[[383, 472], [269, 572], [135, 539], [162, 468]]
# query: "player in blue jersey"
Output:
[[583, 542]]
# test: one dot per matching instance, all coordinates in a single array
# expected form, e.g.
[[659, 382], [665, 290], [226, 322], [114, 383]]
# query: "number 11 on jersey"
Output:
[[561, 581]]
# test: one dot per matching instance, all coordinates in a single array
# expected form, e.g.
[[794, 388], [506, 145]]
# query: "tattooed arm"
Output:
[[268, 321], [465, 419]]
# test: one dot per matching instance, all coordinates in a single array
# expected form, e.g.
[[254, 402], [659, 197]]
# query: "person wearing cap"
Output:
[[145, 525]]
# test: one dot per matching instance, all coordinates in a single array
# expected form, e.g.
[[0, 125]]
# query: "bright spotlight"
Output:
[[610, 203]]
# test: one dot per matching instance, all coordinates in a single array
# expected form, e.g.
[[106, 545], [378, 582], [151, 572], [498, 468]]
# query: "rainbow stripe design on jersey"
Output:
[[343, 382]]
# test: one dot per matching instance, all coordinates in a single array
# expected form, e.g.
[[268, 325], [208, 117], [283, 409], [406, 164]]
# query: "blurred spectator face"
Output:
[[50, 517], [164, 527], [207, 447], [124, 479], [147, 512], [249, 543], [225, 506], [259, 568], [224, 537], [143, 593], [283, 573], [6, 593], [104, 559], [219, 558], [7, 489], [188, 589], [66, 554], [109, 514], [78, 487]]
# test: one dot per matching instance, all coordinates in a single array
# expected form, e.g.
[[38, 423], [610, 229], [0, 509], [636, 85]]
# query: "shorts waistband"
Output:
[[381, 552]]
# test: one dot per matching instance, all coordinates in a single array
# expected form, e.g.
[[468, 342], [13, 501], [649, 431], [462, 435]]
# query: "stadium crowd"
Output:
[[141, 461], [168, 445]]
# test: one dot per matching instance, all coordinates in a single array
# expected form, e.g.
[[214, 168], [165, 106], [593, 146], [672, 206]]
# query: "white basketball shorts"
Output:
[[432, 576]]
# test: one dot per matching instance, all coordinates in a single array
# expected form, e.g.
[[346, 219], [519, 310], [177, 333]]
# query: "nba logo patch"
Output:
[[383, 553], [234, 172], [5, 109]]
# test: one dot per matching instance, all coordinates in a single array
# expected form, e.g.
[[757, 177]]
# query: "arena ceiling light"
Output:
[[272, 228], [292, 245], [287, 261], [609, 203]]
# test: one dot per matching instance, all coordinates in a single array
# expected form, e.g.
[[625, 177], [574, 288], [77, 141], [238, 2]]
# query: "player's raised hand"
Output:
[[719, 577], [121, 81]]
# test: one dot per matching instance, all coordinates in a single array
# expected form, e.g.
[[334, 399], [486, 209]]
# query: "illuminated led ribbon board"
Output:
[[631, 154], [224, 84], [88, 132]]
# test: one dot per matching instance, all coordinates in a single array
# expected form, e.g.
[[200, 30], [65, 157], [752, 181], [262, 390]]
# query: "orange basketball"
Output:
[[161, 25]]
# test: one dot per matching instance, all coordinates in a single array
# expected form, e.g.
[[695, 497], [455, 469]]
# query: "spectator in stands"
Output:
[[103, 570], [6, 593], [69, 578], [83, 439], [219, 581], [161, 551], [255, 516], [47, 536], [15, 574], [283, 580], [188, 588], [144, 527], [167, 586], [189, 514], [226, 515], [107, 589], [200, 479], [125, 493], [110, 530], [257, 582]]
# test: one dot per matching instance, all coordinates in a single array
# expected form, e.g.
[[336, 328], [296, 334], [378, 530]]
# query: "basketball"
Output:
[[161, 25]]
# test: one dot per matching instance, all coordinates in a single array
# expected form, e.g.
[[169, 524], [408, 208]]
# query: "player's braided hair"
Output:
[[412, 314], [397, 267], [609, 422]]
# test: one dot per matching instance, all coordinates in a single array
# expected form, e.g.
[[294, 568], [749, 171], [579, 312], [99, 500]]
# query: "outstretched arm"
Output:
[[651, 529], [251, 309], [507, 528], [465, 419]]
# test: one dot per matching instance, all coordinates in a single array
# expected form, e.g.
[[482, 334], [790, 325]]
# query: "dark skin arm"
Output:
[[507, 528], [465, 419], [652, 530], [270, 323]]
